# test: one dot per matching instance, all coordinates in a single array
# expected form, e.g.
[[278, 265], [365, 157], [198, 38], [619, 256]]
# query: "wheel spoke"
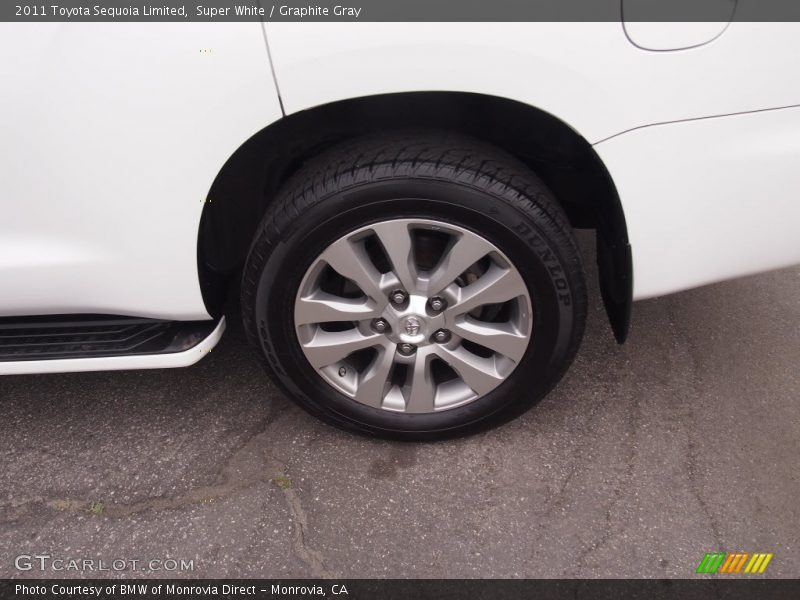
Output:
[[420, 391], [350, 260], [495, 286], [321, 307], [372, 382], [479, 373], [465, 252], [500, 337], [395, 237], [328, 347]]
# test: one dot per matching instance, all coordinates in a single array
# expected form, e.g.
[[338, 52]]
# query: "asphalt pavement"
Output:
[[686, 440]]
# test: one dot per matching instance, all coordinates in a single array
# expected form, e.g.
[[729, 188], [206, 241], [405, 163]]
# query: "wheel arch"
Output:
[[566, 162]]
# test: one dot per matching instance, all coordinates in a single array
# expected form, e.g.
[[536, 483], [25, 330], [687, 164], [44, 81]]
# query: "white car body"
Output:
[[111, 136]]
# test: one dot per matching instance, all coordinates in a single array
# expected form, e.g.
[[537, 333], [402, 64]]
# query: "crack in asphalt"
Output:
[[634, 416], [300, 525], [250, 464], [691, 447], [243, 469], [575, 459]]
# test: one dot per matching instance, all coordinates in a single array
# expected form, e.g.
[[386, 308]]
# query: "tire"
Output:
[[432, 184]]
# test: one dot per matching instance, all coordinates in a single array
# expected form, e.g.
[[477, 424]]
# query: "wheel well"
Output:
[[566, 162]]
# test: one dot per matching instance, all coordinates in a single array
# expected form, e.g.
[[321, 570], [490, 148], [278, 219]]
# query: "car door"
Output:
[[111, 135]]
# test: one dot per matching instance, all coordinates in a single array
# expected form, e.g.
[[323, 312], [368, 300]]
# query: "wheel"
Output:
[[414, 286]]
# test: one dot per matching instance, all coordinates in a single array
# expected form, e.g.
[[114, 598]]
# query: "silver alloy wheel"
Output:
[[365, 318]]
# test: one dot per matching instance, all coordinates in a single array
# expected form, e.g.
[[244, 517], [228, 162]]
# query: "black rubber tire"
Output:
[[427, 175]]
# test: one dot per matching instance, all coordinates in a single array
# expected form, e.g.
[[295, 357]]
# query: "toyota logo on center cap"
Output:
[[412, 326]]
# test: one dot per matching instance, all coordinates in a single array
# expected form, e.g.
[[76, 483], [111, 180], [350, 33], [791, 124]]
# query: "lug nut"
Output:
[[407, 349], [442, 336], [398, 297], [437, 304], [380, 325]]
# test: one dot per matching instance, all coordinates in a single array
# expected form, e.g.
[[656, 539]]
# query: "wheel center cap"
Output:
[[412, 329], [412, 325]]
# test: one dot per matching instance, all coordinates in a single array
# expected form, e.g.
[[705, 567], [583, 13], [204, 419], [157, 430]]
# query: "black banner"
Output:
[[399, 10], [414, 589]]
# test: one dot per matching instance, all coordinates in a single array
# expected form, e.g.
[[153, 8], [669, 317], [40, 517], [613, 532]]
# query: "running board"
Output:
[[99, 342]]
